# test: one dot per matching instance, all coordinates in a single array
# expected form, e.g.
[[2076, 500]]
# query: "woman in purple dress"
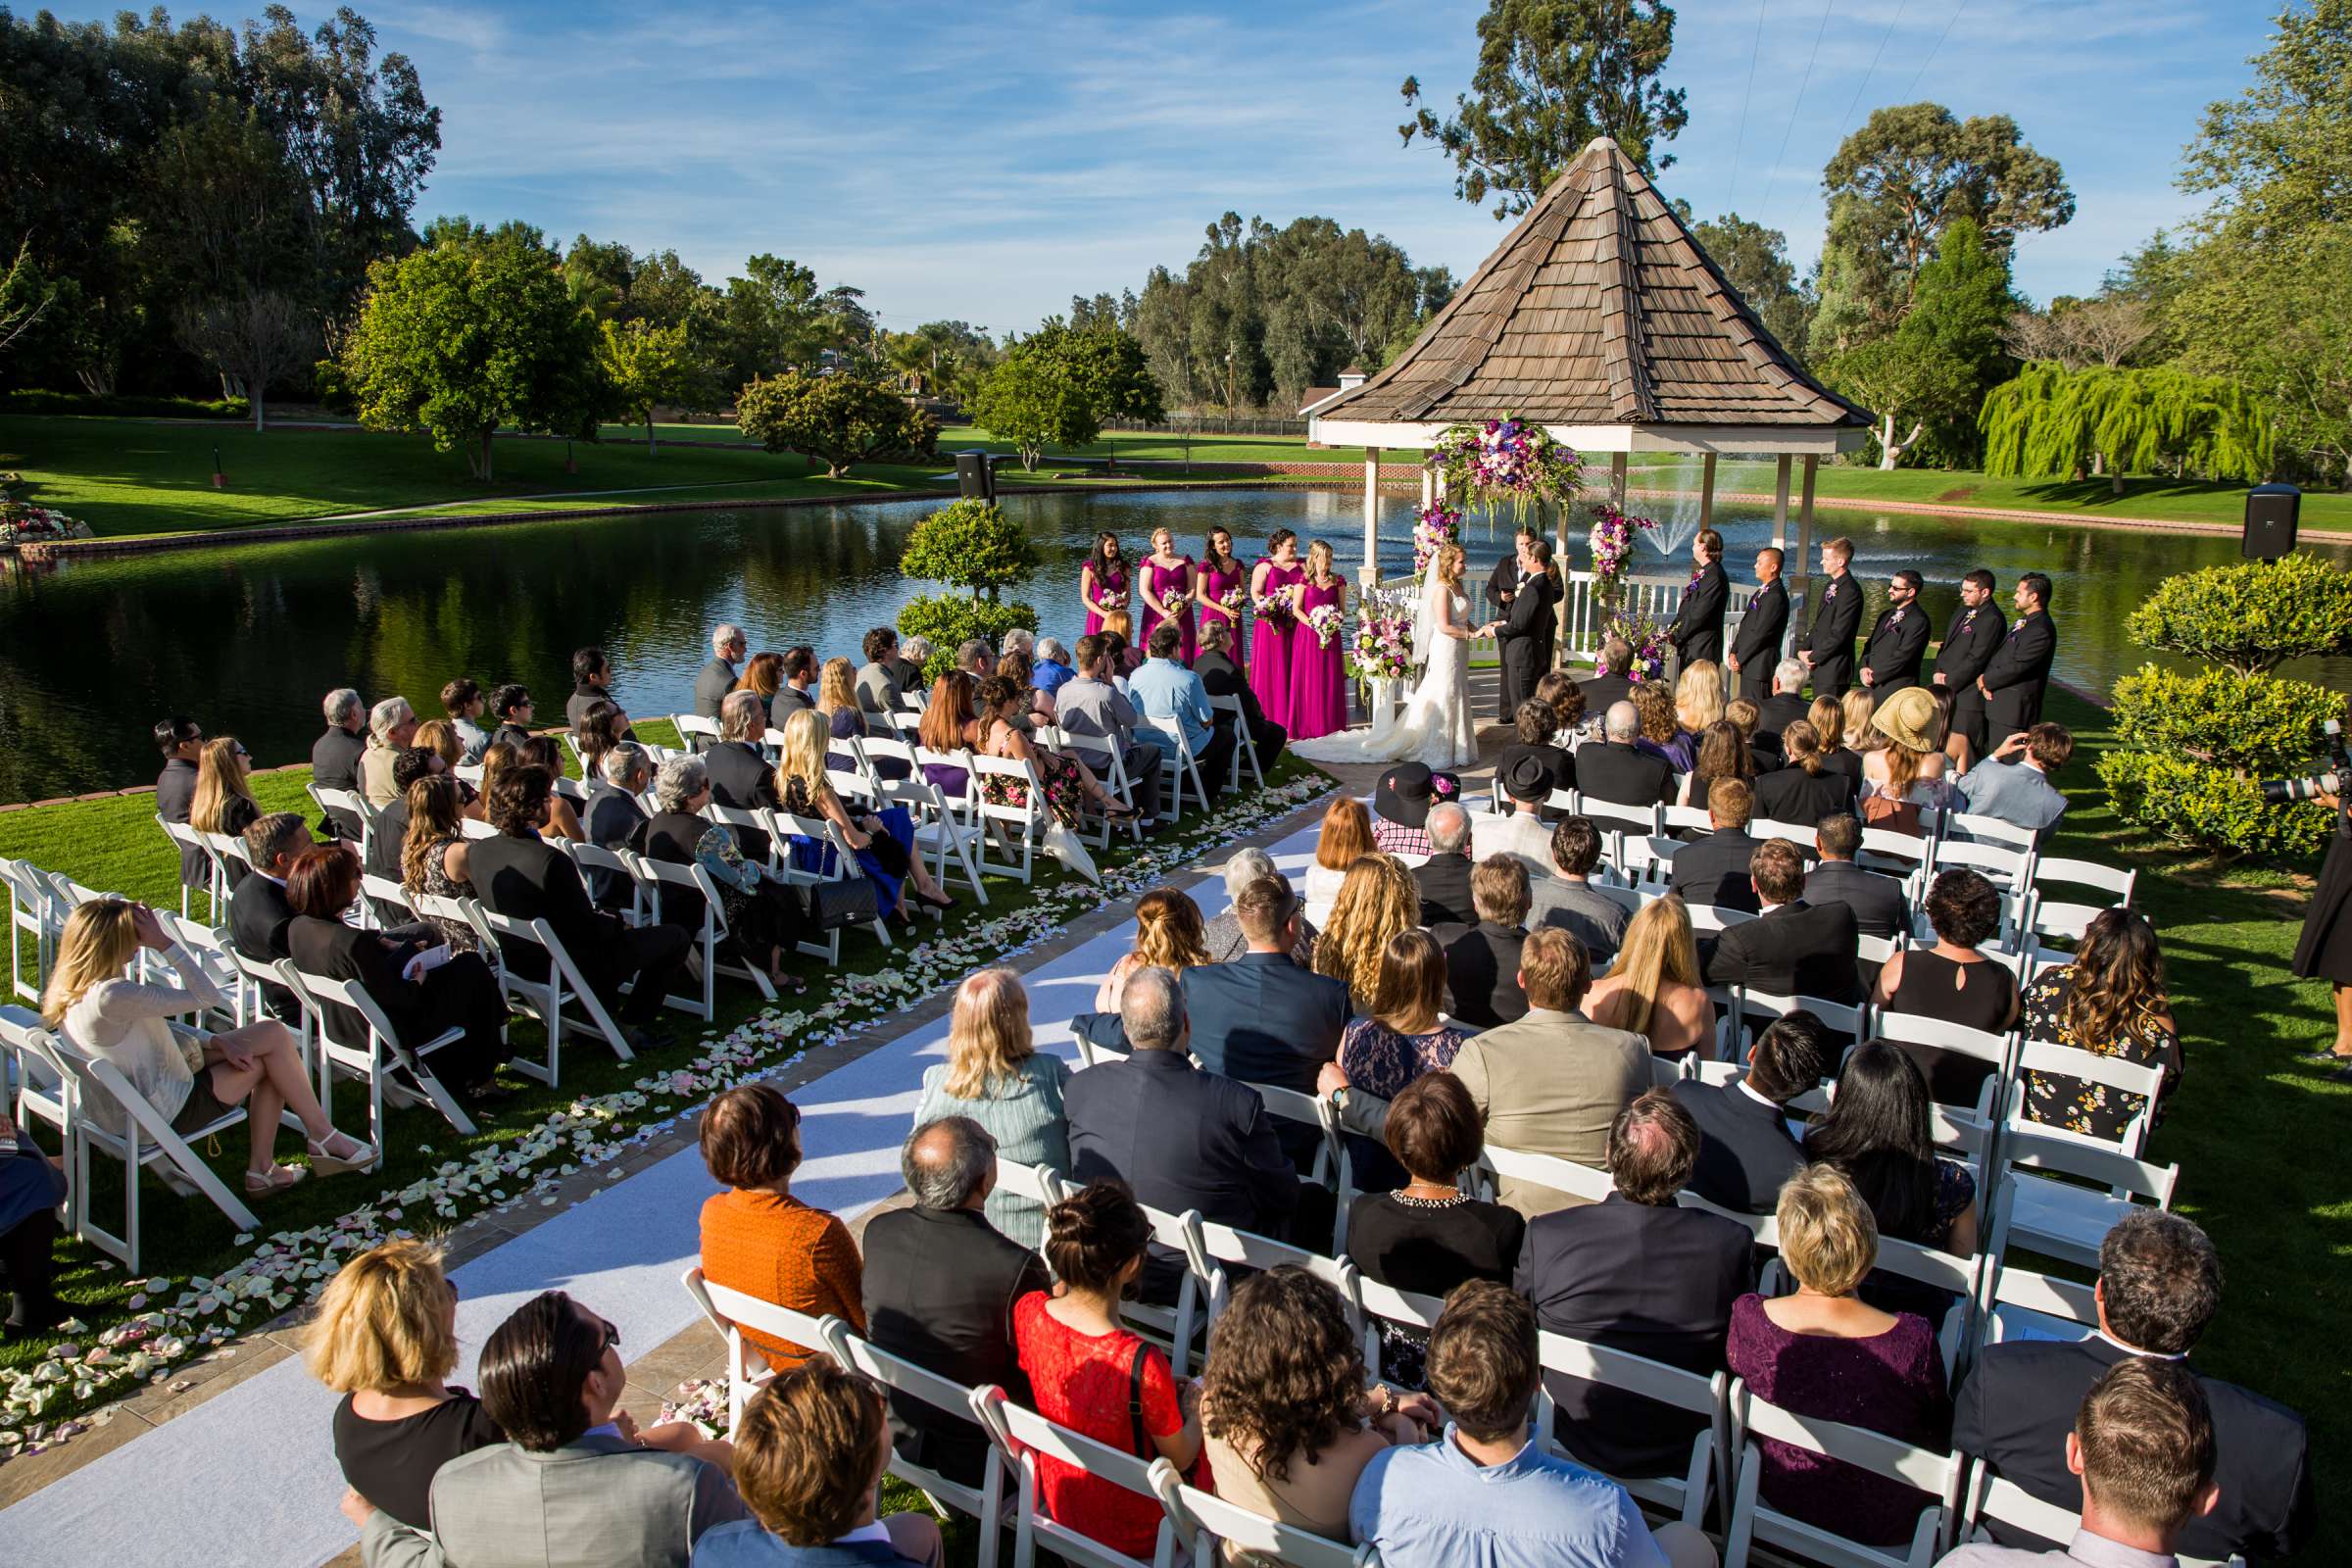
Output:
[[1276, 573], [1318, 670], [1827, 1353], [1221, 576], [1103, 581], [1167, 584]]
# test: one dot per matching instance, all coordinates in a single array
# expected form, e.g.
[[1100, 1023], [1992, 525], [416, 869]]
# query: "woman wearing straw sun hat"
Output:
[[1907, 774]]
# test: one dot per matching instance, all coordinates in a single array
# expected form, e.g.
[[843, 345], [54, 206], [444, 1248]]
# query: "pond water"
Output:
[[248, 637]]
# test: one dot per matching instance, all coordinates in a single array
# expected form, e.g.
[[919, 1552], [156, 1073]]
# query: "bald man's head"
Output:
[[949, 1163]]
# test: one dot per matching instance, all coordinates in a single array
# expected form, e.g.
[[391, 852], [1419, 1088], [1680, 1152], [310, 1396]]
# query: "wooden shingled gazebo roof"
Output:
[[1601, 318]]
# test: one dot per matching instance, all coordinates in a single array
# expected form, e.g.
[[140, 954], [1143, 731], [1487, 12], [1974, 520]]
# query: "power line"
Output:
[[1856, 101], [1730, 195], [1795, 112], [1913, 90]]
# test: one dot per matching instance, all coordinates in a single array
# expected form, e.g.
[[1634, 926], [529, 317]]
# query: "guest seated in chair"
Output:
[[883, 841], [1745, 1150], [1614, 771], [1714, 869], [258, 914], [1222, 936], [97, 1011], [1401, 807], [1263, 1018], [1533, 727], [765, 915], [1222, 676], [759, 1239], [1654, 988], [1564, 895], [1793, 948], [995, 1077], [422, 988], [1482, 960], [1444, 877], [1377, 898]]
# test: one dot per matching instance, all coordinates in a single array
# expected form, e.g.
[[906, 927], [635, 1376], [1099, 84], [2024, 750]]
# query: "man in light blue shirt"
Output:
[[1486, 1493], [1165, 690], [2017, 789]]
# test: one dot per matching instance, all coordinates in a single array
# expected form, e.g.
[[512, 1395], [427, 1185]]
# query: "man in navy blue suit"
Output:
[[1265, 1018]]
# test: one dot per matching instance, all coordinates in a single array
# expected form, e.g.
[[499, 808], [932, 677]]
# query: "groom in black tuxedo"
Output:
[[1526, 634]]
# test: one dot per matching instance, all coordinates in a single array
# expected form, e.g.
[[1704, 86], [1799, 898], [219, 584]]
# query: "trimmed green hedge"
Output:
[[28, 400], [950, 620], [2250, 617], [2196, 746]]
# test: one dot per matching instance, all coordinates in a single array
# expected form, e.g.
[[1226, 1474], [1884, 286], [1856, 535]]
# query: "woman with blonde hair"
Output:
[[1654, 988], [1827, 715], [1346, 838], [995, 1075], [1697, 703], [883, 843], [223, 801], [385, 1338], [844, 719], [1856, 706], [1169, 934], [1377, 898], [190, 1078]]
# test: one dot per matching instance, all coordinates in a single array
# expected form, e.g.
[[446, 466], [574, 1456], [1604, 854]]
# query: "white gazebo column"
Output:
[[1804, 511], [1706, 492], [1371, 517], [1617, 468], [1780, 507]]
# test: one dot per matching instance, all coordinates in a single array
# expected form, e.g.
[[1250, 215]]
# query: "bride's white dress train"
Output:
[[1433, 727]]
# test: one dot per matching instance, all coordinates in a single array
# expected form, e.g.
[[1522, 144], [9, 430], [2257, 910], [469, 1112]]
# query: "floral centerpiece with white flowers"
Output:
[[1647, 638], [1509, 463], [1383, 649]]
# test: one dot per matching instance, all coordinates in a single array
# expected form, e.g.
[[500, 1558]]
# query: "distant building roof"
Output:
[[1597, 309]]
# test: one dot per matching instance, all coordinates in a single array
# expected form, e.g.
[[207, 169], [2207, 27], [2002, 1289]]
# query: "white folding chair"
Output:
[[1753, 1520], [1998, 1053], [834, 861], [1008, 826], [351, 804], [1687, 819], [2045, 1202], [696, 733], [30, 928], [1882, 848], [544, 999], [1615, 821], [2001, 865], [146, 1142], [1546, 1172], [2068, 922], [2019, 1304], [1706, 1476], [1210, 1522], [1988, 830], [1796, 833], [1220, 1244], [984, 1502], [2006, 1503], [940, 830], [1102, 759], [653, 876], [372, 1060], [731, 1312], [1022, 1438], [185, 837], [44, 1090], [1177, 764], [1244, 744], [2142, 1081]]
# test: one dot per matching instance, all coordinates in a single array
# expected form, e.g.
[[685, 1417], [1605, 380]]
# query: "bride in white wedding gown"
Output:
[[1435, 727]]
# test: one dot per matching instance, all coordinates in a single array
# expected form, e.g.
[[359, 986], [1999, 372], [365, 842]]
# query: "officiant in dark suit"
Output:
[[1525, 634], [1697, 629]]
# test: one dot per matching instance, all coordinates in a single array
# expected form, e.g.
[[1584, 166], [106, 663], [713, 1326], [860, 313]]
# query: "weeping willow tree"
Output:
[[2052, 422]]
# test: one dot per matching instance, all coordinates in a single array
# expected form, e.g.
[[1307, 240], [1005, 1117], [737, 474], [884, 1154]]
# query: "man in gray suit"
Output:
[[878, 689], [574, 1483], [1088, 704], [717, 678]]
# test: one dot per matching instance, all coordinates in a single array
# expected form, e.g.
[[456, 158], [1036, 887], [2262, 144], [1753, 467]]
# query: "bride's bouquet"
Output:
[[1325, 620], [1383, 649], [1278, 607]]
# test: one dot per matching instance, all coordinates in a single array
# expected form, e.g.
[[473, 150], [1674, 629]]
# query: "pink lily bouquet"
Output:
[[1435, 526], [1325, 620], [1233, 599], [1509, 463], [1383, 649], [1112, 599]]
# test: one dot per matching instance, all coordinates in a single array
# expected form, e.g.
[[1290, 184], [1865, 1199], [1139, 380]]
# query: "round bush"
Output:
[[2251, 617], [2194, 747], [952, 619], [971, 544]]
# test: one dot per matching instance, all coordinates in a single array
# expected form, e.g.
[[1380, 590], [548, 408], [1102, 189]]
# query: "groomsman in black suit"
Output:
[[2018, 673], [1757, 644], [1697, 629], [1975, 632], [1897, 639], [1828, 649]]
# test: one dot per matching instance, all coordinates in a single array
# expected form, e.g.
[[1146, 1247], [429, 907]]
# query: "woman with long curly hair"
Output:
[[1722, 753], [1288, 1420], [2110, 1001], [1169, 934], [1377, 898]]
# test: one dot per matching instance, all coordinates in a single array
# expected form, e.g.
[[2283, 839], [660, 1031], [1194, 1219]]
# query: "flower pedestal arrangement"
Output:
[[1381, 654], [1612, 543], [23, 523]]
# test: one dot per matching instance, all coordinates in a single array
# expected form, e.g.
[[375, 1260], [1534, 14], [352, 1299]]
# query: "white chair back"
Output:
[[731, 1312]]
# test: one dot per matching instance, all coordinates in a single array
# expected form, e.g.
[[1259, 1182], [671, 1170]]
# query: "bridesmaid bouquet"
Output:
[[1112, 599], [1383, 649], [1325, 620], [1278, 607], [1233, 599]]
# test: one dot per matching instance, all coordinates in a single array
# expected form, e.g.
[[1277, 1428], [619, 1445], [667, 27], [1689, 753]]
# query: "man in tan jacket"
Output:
[[1552, 1081]]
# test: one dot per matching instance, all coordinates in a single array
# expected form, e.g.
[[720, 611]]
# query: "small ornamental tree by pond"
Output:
[[975, 546], [837, 420], [2196, 746], [1054, 388]]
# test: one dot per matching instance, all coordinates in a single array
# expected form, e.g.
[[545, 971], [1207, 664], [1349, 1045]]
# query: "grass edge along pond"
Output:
[[135, 478], [2254, 1131]]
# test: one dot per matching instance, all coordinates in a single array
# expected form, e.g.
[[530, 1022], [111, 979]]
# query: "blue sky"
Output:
[[986, 161]]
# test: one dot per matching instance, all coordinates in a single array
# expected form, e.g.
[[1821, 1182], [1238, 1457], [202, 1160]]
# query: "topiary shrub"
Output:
[[2195, 746], [2250, 617], [952, 619], [971, 544]]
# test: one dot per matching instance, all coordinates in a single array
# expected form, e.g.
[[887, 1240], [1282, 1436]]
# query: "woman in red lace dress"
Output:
[[1082, 1364]]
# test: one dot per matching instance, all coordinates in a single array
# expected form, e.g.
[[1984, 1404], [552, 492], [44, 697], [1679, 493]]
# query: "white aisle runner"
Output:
[[249, 1478]]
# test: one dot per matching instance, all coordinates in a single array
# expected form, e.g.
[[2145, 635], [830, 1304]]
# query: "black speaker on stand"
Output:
[[975, 476], [2270, 513]]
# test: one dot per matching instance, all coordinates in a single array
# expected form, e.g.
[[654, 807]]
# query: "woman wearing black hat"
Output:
[[1401, 807]]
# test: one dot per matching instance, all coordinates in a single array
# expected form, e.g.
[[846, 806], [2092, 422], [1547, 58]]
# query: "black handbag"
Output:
[[834, 906]]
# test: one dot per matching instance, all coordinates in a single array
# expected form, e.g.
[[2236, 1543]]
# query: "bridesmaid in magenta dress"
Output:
[[1318, 674], [1168, 578], [1270, 635], [1220, 574], [1103, 581]]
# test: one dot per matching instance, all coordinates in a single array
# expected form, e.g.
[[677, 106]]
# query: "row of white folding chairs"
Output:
[[1192, 1521]]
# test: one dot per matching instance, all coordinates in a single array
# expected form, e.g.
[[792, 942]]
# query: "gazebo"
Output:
[[1601, 318]]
